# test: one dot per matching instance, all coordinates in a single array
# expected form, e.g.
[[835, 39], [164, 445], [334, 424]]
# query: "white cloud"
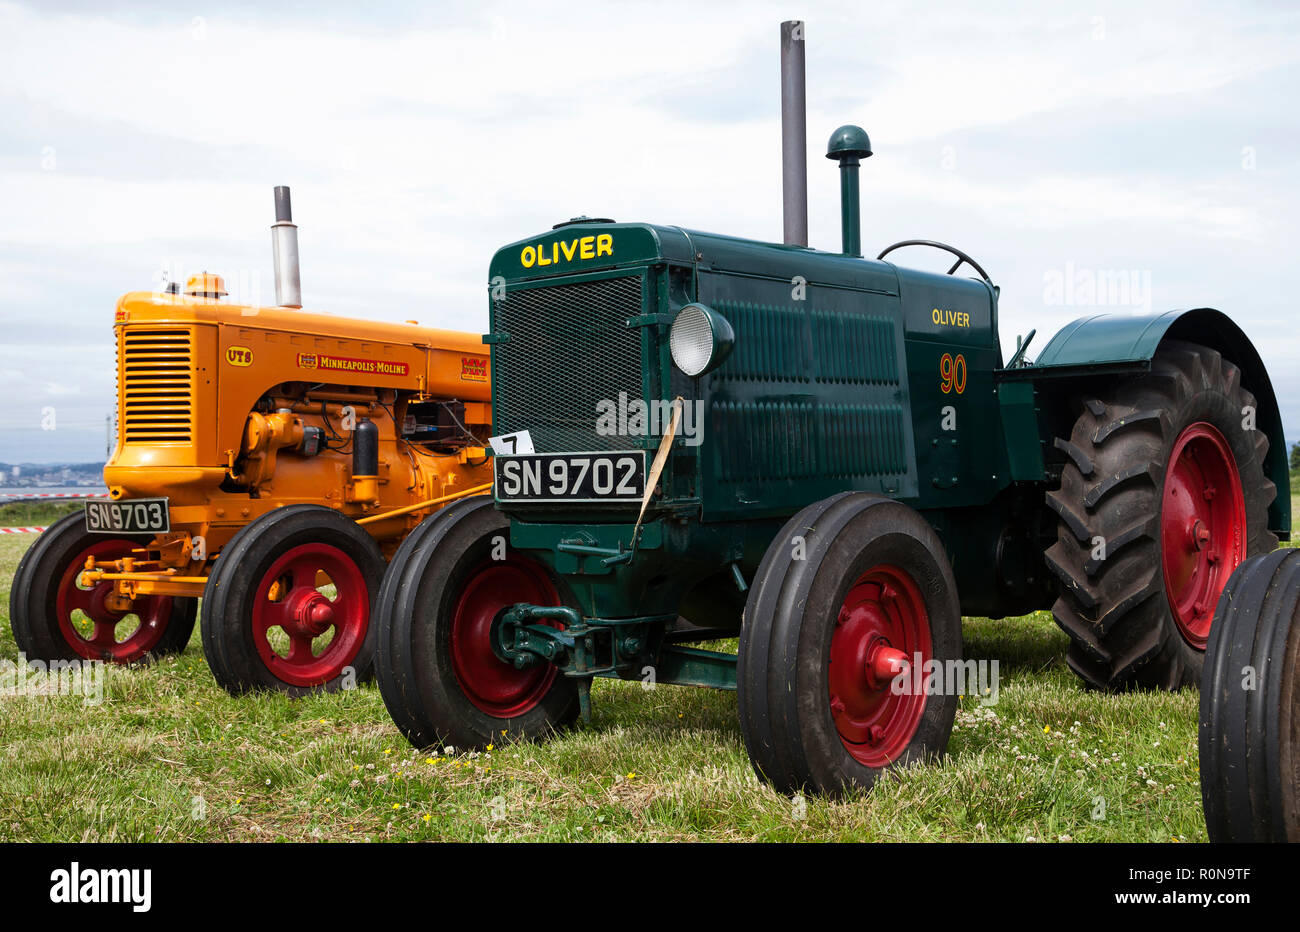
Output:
[[415, 150]]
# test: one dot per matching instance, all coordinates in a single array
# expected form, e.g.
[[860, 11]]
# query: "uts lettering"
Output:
[[473, 369], [583, 248], [239, 355]]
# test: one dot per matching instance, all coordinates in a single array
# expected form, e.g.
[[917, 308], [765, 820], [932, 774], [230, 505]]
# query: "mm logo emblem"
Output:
[[307, 360], [239, 355], [473, 369]]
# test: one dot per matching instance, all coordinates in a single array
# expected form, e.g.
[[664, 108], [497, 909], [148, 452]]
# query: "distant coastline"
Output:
[[50, 478]]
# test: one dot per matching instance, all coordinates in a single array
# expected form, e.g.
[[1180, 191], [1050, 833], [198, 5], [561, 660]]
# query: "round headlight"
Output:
[[700, 339]]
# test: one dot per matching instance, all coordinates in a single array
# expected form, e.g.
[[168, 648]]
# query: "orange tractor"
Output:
[[268, 460]]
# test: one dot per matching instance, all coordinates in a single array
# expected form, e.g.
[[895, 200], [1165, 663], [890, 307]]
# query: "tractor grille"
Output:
[[157, 385], [569, 348]]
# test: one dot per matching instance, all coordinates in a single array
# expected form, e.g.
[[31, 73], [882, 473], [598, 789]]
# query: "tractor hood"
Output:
[[584, 246]]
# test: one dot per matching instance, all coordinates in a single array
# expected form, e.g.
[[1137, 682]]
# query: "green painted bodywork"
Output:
[[1107, 338], [810, 380], [834, 384]]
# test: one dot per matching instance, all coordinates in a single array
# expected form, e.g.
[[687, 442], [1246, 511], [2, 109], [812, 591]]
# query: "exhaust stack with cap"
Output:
[[794, 135], [284, 247], [849, 145]]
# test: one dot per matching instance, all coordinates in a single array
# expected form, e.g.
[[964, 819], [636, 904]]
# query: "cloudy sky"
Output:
[[1080, 138]]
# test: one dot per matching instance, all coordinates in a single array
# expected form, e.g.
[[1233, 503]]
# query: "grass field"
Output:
[[35, 513], [169, 756]]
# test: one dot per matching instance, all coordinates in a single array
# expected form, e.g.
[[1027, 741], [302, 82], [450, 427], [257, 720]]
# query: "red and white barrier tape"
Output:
[[6, 497], [21, 530]]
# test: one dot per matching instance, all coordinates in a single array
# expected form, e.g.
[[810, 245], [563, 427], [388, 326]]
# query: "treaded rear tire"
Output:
[[1115, 609]]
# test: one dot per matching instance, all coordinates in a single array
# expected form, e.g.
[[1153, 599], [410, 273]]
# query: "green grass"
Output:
[[35, 513], [169, 756]]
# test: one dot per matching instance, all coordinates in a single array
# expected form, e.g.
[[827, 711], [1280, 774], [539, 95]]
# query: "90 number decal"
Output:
[[952, 373]]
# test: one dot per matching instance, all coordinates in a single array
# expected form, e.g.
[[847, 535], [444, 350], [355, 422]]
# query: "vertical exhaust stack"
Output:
[[284, 247], [849, 145], [794, 135]]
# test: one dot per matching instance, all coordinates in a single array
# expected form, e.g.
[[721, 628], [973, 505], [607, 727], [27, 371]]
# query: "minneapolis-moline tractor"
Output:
[[826, 456], [268, 461]]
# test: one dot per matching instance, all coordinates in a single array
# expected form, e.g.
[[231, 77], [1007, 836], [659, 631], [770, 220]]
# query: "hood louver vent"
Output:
[[157, 385]]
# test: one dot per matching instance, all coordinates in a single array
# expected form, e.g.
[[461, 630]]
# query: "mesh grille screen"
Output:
[[569, 348]]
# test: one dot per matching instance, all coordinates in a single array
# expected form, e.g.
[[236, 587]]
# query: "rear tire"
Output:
[[440, 679], [54, 618], [1143, 551], [1249, 732], [265, 617], [823, 632]]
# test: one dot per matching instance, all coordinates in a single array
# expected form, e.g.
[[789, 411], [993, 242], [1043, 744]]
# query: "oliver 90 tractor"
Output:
[[268, 460], [701, 436]]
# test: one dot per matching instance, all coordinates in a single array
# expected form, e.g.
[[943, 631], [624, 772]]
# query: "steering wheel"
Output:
[[961, 256]]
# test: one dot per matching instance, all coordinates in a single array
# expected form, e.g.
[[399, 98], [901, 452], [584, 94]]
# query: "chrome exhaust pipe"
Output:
[[284, 248]]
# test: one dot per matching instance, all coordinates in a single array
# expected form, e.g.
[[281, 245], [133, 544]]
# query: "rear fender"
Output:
[[1115, 343]]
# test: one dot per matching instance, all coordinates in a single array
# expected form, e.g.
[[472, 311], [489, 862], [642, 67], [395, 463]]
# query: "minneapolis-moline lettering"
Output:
[[348, 364], [583, 248]]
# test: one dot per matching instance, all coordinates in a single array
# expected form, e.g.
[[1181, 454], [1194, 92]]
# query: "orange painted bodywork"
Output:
[[203, 388]]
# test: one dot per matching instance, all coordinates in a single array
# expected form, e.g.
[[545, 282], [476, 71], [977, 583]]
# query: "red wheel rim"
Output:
[[153, 611], [491, 684], [882, 628], [1202, 528], [290, 599]]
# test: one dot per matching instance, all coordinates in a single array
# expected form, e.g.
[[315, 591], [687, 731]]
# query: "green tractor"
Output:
[[703, 437]]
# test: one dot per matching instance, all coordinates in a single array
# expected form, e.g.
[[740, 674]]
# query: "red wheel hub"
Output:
[[141, 635], [290, 599], [494, 686], [1202, 528], [882, 628]]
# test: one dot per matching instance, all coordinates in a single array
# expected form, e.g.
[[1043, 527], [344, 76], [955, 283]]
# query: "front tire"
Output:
[[436, 669], [54, 617], [1162, 496], [1249, 733], [864, 603], [288, 604]]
